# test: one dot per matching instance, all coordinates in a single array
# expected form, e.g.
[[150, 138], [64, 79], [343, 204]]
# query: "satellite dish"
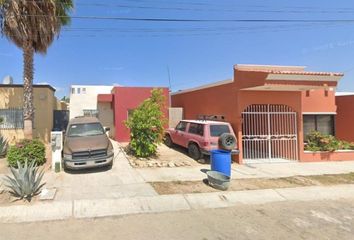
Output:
[[8, 80]]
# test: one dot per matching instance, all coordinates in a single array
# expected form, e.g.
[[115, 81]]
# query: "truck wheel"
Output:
[[168, 141], [194, 151], [227, 141]]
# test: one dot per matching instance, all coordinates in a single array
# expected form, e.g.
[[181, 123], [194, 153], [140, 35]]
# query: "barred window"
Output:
[[90, 113], [321, 123], [12, 118]]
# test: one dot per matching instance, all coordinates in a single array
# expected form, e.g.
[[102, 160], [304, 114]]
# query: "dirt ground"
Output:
[[7, 199], [166, 157], [3, 166], [165, 188]]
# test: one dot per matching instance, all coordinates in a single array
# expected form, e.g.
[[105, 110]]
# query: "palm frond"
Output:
[[34, 22]]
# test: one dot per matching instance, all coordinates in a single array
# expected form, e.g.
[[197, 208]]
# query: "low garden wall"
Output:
[[340, 155]]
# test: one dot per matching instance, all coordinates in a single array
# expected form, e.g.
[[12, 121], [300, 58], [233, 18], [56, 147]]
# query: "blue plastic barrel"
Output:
[[221, 161]]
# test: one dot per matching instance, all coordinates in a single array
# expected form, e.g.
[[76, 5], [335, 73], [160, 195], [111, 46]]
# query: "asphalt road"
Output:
[[285, 220]]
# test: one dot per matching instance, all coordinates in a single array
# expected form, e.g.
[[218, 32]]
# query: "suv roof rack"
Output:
[[220, 118]]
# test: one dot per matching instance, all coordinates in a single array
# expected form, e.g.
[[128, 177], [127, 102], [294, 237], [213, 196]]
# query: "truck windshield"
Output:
[[85, 129], [217, 130]]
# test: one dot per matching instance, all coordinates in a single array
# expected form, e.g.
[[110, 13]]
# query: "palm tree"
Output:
[[32, 25]]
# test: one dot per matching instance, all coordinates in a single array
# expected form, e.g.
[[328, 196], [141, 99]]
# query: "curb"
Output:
[[81, 209]]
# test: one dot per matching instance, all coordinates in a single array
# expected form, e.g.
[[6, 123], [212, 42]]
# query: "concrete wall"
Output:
[[319, 101], [126, 98], [175, 115], [106, 116], [88, 100], [345, 118], [44, 102]]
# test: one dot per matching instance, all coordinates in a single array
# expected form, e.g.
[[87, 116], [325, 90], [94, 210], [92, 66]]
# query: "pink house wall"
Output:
[[126, 98]]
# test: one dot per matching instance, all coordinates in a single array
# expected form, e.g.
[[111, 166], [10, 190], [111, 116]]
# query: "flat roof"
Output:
[[21, 86], [255, 67], [214, 84], [79, 120], [339, 94], [287, 70]]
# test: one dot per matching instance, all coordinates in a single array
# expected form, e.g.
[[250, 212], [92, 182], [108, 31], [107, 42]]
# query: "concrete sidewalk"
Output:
[[94, 208], [275, 170]]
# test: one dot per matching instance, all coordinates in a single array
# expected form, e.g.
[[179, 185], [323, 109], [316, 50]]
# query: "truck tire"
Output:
[[227, 141], [194, 151], [168, 141]]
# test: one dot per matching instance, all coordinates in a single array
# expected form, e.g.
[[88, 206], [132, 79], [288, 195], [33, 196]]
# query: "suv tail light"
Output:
[[205, 144]]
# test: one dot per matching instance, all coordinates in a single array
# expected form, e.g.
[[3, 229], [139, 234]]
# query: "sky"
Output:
[[143, 53]]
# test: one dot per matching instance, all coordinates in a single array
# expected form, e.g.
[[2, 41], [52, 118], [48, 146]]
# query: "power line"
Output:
[[201, 20], [143, 32], [213, 9], [229, 8]]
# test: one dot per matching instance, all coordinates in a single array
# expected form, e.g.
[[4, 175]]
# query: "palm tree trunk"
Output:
[[28, 109]]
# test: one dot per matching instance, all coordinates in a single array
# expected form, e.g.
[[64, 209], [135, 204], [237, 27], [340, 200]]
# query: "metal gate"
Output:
[[269, 134], [60, 120]]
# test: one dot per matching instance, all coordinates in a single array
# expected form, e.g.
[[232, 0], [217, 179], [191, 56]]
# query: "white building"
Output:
[[83, 99]]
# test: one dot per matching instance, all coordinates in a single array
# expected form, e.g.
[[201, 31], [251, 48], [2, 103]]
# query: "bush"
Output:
[[30, 150], [146, 125], [317, 141]]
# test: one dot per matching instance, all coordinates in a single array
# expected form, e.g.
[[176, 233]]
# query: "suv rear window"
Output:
[[217, 130], [196, 128]]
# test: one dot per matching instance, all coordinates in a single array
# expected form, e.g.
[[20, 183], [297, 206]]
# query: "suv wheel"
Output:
[[194, 151], [168, 141]]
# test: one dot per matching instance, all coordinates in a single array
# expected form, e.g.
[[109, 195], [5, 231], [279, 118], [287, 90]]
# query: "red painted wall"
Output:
[[345, 118], [318, 101], [328, 156], [126, 98]]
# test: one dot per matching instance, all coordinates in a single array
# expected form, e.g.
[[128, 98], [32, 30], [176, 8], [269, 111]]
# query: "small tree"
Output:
[[146, 125]]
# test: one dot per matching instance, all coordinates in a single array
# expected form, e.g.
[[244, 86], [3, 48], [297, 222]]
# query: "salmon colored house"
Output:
[[115, 108], [271, 109], [345, 116]]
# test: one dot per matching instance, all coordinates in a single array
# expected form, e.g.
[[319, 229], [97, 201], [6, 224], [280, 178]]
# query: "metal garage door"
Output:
[[269, 134]]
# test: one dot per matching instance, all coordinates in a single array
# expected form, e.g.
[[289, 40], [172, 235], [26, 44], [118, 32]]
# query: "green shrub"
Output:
[[317, 141], [1, 120], [30, 150], [146, 125]]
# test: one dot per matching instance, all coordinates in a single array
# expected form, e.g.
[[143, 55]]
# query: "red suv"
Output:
[[199, 136]]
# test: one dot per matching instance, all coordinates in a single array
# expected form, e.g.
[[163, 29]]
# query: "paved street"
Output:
[[282, 220]]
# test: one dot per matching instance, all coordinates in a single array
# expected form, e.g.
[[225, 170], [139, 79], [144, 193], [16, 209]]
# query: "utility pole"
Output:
[[169, 83]]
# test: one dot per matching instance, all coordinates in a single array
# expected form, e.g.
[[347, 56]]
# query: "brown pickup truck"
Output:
[[86, 144]]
